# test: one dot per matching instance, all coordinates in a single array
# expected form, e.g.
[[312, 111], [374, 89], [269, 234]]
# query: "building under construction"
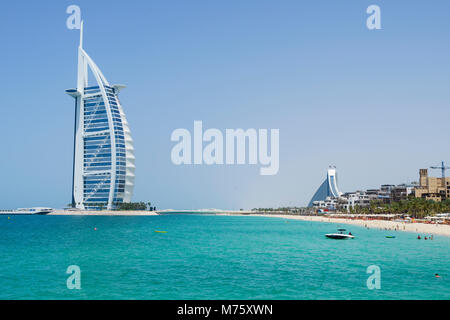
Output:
[[432, 188]]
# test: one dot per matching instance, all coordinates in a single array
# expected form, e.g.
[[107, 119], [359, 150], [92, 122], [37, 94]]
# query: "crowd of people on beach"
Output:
[[397, 227]]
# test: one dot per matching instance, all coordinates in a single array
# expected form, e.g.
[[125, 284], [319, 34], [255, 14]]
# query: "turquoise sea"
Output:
[[213, 257]]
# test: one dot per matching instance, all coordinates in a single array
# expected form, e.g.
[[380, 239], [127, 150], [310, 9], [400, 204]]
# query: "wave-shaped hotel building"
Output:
[[328, 188], [104, 162]]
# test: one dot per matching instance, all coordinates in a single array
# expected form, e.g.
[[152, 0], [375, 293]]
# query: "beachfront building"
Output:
[[329, 204], [346, 201], [432, 188], [358, 198], [328, 188], [402, 192], [328, 197], [103, 163]]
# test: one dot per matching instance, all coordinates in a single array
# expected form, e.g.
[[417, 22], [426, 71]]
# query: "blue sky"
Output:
[[373, 103]]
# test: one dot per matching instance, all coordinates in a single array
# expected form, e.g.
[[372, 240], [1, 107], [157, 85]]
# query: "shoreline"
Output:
[[416, 227], [419, 228]]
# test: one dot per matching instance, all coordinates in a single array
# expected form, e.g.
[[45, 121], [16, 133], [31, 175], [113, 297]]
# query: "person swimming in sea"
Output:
[[418, 237], [437, 275]]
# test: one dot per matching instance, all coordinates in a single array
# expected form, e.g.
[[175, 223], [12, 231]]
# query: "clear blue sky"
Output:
[[373, 103]]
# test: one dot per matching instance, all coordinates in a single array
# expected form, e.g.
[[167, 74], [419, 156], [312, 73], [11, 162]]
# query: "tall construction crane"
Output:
[[443, 168]]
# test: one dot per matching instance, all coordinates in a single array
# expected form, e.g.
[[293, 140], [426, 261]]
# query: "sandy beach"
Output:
[[419, 228]]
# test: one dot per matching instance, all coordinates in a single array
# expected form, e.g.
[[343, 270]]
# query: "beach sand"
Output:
[[419, 228]]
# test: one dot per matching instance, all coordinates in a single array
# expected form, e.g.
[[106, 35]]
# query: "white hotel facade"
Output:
[[104, 161]]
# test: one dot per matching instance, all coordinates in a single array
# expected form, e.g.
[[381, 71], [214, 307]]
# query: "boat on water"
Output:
[[340, 235], [27, 211]]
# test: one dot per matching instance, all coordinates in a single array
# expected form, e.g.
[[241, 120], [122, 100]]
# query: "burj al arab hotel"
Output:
[[103, 162]]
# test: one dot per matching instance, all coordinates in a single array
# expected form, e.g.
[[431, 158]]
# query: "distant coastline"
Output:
[[101, 213], [423, 229], [392, 226]]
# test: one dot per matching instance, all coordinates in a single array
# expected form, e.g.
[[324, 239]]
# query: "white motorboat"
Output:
[[340, 235]]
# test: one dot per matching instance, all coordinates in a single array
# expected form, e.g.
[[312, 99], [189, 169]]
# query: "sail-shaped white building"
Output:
[[104, 162], [328, 188]]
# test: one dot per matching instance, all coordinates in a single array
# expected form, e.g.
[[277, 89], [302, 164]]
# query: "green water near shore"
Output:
[[213, 257]]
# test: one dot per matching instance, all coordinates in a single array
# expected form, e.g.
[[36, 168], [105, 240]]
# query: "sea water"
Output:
[[213, 257]]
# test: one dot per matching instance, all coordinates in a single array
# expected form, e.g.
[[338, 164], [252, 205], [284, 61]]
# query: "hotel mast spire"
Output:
[[82, 79], [81, 34]]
